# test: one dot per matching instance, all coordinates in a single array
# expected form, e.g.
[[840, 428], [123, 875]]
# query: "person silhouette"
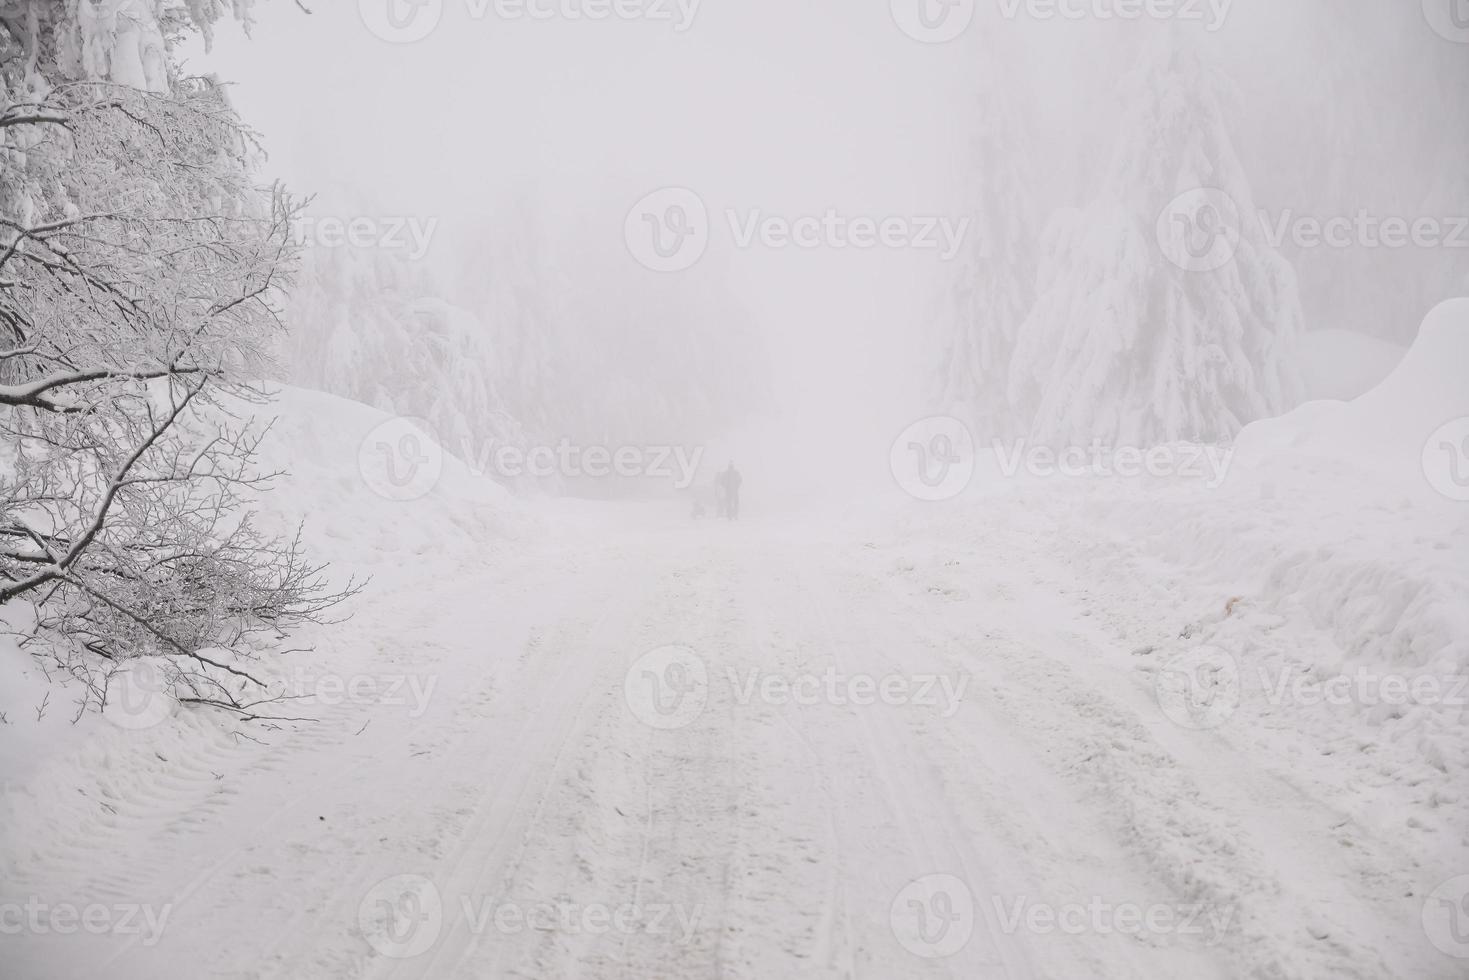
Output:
[[729, 483]]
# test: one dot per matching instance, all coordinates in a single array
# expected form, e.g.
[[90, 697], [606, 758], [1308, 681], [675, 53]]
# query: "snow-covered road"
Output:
[[648, 747]]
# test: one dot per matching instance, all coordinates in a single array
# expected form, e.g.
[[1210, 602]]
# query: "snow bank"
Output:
[[1341, 364], [1329, 553], [1377, 551], [333, 482], [1334, 508], [373, 489], [1384, 431]]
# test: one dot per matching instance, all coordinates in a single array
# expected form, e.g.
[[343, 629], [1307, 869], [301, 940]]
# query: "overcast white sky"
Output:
[[787, 107], [791, 103]]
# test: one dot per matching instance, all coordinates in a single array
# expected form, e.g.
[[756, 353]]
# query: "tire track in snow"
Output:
[[921, 810], [1203, 840]]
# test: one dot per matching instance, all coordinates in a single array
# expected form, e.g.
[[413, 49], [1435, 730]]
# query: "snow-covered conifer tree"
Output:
[[1163, 312]]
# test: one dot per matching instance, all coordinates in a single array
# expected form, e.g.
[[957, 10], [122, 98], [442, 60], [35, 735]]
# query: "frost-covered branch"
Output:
[[141, 276]]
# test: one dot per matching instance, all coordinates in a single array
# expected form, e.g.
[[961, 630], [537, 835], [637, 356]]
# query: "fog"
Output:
[[790, 110], [734, 489]]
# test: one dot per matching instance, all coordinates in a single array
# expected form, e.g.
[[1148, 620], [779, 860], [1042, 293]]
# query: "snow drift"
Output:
[[1383, 431], [334, 455], [330, 486], [1345, 562]]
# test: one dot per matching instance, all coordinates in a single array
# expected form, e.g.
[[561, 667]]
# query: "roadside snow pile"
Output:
[[1383, 484], [373, 489], [372, 495], [1331, 568], [1339, 507], [378, 500], [1387, 430]]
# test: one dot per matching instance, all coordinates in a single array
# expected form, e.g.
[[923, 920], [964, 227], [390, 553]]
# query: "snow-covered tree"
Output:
[[370, 325], [140, 274], [1163, 313], [512, 279], [991, 286]]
